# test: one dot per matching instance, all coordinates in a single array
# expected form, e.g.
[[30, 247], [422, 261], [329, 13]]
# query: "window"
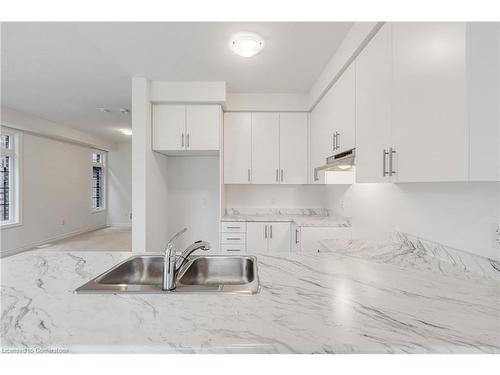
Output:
[[9, 176], [98, 183]]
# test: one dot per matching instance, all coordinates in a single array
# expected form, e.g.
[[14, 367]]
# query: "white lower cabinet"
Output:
[[235, 248], [268, 236], [233, 237], [307, 238], [274, 237]]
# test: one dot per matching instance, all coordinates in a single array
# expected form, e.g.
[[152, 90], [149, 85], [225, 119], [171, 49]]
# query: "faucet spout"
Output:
[[198, 245]]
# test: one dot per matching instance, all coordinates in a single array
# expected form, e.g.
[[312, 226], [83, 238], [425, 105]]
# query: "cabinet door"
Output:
[[483, 63], [265, 148], [429, 124], [373, 116], [279, 237], [293, 148], [342, 111], [237, 148], [257, 234], [169, 127], [202, 127], [320, 140]]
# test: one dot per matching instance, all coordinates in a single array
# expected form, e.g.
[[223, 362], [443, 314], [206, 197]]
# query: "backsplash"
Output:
[[278, 211]]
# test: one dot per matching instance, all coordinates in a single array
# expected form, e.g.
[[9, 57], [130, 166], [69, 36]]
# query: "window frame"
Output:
[[104, 187], [15, 188]]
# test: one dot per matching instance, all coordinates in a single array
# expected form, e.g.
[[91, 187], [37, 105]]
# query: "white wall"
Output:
[[120, 185], [460, 215], [56, 193], [193, 198], [274, 196], [149, 177]]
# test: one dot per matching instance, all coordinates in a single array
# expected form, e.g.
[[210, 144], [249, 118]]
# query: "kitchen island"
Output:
[[309, 303]]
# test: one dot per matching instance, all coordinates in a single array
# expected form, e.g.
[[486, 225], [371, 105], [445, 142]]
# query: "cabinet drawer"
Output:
[[237, 248], [233, 238], [234, 226]]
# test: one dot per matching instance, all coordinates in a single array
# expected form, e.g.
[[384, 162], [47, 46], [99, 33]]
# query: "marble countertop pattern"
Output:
[[301, 217], [309, 303]]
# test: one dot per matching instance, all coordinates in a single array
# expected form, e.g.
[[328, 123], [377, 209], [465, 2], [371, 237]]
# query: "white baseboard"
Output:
[[120, 225], [7, 253]]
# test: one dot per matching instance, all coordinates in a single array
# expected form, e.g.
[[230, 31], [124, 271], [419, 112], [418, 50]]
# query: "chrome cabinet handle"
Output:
[[391, 153], [277, 175], [282, 175], [337, 143], [187, 140], [233, 239], [265, 231], [233, 249], [333, 141], [182, 140], [233, 227], [384, 162], [270, 231], [249, 175], [296, 236]]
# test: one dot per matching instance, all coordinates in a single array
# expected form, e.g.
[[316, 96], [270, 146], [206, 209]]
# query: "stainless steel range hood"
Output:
[[342, 162]]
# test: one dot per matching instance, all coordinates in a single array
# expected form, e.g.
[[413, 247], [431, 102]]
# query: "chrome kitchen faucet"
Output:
[[172, 263]]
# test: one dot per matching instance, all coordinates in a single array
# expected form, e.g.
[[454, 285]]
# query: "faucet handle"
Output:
[[174, 237]]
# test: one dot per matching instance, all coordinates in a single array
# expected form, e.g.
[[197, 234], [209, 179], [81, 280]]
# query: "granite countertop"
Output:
[[310, 303], [301, 217]]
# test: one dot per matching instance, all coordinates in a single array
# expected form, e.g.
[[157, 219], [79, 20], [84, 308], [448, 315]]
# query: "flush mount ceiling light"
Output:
[[246, 44], [126, 131]]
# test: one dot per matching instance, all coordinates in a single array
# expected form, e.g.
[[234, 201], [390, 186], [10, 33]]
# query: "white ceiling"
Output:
[[64, 71]]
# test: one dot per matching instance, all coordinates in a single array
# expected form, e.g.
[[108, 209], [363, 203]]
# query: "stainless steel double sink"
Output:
[[143, 274]]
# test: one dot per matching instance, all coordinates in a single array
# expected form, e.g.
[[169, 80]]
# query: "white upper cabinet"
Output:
[[373, 108], [322, 134], [429, 131], [237, 148], [181, 128], [169, 127], [265, 148], [484, 100], [203, 127], [333, 123], [342, 113], [293, 148], [428, 92]]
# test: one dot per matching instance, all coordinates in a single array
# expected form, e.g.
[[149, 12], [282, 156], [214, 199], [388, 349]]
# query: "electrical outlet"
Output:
[[496, 236]]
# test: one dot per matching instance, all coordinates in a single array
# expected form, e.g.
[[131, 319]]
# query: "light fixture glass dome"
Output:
[[246, 44]]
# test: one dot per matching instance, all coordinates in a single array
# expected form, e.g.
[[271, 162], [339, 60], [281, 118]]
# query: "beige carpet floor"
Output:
[[107, 239]]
